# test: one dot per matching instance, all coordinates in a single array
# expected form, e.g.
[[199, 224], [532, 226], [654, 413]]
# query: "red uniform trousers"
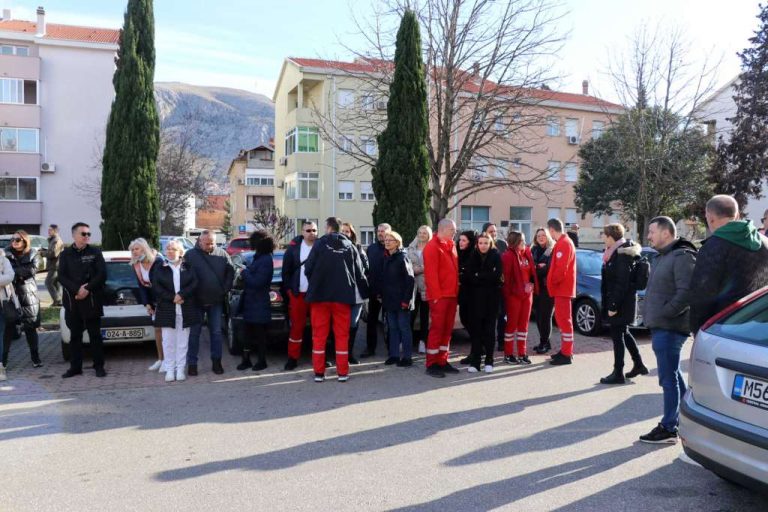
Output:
[[564, 320], [442, 316], [297, 314], [518, 316], [322, 314]]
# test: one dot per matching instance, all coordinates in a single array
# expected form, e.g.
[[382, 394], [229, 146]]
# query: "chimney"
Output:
[[585, 88], [475, 70], [6, 14], [40, 22]]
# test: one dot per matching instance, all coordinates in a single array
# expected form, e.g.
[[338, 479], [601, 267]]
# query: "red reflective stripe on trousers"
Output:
[[518, 316], [322, 314], [297, 314], [441, 318], [564, 321]]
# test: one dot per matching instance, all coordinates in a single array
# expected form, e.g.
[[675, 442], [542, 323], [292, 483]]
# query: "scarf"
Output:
[[609, 252]]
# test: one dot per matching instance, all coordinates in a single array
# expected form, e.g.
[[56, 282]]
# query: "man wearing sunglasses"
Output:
[[83, 274]]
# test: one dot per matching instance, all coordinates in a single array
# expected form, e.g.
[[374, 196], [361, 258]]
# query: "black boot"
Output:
[[543, 348], [614, 378], [637, 369], [216, 366], [246, 362], [36, 362], [261, 364], [5, 358]]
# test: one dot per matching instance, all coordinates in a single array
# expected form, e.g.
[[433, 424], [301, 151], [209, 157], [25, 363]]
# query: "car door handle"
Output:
[[738, 366]]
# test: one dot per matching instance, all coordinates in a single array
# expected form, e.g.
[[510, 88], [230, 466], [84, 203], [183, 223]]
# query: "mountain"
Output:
[[220, 120]]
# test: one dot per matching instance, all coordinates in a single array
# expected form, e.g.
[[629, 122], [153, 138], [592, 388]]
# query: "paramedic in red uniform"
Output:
[[520, 282], [561, 284], [441, 275]]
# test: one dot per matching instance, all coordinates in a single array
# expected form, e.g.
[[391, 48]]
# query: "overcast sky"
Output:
[[242, 43]]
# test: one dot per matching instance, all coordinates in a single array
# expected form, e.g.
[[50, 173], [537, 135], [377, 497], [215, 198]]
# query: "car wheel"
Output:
[[65, 350], [586, 318], [233, 344]]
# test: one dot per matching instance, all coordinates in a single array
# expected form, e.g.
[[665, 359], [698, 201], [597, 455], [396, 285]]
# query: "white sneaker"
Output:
[[343, 378], [3, 376], [422, 348], [180, 374], [488, 368], [155, 366], [170, 376], [472, 369]]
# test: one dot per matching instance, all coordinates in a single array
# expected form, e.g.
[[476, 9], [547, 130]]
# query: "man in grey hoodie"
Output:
[[666, 313]]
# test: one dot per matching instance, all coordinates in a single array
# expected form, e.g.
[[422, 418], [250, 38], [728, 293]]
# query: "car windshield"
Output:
[[120, 275], [245, 258], [589, 262], [749, 323]]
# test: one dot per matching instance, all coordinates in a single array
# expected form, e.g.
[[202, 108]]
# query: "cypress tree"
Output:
[[401, 175], [129, 199]]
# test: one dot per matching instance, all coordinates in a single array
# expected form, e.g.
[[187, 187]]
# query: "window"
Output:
[[571, 216], [346, 190], [8, 49], [571, 127], [478, 171], [516, 163], [346, 98], [259, 202], [366, 191], [18, 189], [369, 145], [553, 126], [498, 125], [520, 220], [473, 217], [367, 235], [302, 140], [367, 101], [290, 187], [598, 221], [571, 171], [22, 140], [13, 90], [259, 181], [302, 185], [553, 170], [345, 141], [597, 129], [500, 169], [553, 213]]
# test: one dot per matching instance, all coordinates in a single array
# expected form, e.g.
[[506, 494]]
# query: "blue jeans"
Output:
[[667, 346], [399, 323], [214, 313]]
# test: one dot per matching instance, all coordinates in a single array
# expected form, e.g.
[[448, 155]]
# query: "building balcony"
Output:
[[14, 66], [299, 117], [20, 164], [21, 212], [19, 116]]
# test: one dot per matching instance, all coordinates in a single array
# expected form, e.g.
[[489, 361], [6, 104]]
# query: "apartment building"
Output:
[[315, 180], [55, 97], [252, 184]]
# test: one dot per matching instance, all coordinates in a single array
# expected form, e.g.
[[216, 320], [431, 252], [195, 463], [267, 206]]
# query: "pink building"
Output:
[[55, 97]]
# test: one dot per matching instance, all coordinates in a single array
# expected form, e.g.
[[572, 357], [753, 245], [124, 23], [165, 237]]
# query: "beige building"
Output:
[[315, 180], [252, 185], [55, 96]]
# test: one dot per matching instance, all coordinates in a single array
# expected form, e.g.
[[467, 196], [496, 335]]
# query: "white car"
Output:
[[724, 416], [125, 319]]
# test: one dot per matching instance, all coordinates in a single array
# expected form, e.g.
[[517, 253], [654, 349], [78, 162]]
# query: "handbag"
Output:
[[10, 313]]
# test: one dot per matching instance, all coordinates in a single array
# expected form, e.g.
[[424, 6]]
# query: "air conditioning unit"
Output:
[[240, 182], [381, 104], [280, 184], [573, 139], [284, 160], [48, 167]]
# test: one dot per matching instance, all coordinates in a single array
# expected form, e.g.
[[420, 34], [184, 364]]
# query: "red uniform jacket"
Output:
[[516, 275], [561, 279], [441, 269]]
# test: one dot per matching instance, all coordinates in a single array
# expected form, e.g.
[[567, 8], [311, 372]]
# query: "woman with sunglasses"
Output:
[[24, 260], [764, 228]]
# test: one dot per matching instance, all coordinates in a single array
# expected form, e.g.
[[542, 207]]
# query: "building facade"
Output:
[[252, 185], [56, 96]]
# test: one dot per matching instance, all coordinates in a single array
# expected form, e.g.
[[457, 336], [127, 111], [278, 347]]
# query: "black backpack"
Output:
[[641, 270]]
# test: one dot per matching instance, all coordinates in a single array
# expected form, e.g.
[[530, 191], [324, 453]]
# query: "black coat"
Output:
[[398, 282], [291, 271], [463, 255], [333, 269], [376, 256], [541, 255], [145, 292], [24, 268], [482, 281], [616, 288], [76, 268], [215, 274], [165, 291]]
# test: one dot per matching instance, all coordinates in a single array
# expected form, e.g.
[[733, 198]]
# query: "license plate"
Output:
[[122, 334], [750, 391]]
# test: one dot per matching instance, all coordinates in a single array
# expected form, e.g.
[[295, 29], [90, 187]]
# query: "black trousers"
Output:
[[482, 331], [422, 310], [256, 339], [29, 332], [501, 324], [77, 326], [621, 336], [544, 308], [372, 328]]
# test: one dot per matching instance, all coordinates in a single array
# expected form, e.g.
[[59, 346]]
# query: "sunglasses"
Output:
[[85, 234], [310, 231], [17, 239]]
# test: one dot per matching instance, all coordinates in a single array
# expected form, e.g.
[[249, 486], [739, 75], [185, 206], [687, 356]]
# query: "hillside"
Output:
[[223, 120]]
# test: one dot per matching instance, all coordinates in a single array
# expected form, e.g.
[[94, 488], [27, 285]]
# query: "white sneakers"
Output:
[[180, 374], [343, 378], [156, 366], [472, 369], [170, 376], [488, 368], [422, 348], [3, 376]]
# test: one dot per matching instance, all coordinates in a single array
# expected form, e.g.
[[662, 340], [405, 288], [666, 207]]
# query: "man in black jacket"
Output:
[[732, 263], [376, 255], [83, 274], [501, 319], [295, 283], [215, 276], [335, 272]]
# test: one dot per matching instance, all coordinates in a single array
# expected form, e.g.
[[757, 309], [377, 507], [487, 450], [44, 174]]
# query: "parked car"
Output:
[[37, 241], [587, 318], [185, 242], [278, 328], [125, 319], [724, 415], [237, 245]]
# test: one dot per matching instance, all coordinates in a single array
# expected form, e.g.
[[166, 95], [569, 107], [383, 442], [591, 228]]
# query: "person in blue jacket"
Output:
[[254, 301], [397, 299]]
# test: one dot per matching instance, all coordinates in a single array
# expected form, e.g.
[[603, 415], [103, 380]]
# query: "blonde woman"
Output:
[[144, 260], [416, 256], [24, 260], [397, 300], [6, 295], [541, 250], [174, 283]]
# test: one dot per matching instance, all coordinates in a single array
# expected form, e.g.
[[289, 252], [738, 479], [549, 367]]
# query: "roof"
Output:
[[64, 32], [216, 203], [470, 85]]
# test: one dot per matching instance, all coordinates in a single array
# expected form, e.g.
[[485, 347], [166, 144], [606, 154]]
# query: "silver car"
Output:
[[724, 416]]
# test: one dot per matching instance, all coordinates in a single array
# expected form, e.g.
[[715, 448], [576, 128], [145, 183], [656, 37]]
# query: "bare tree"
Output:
[[270, 218], [486, 62]]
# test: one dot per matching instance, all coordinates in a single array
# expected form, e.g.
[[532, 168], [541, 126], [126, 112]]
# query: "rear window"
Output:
[[748, 324], [589, 263], [241, 243], [120, 275]]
